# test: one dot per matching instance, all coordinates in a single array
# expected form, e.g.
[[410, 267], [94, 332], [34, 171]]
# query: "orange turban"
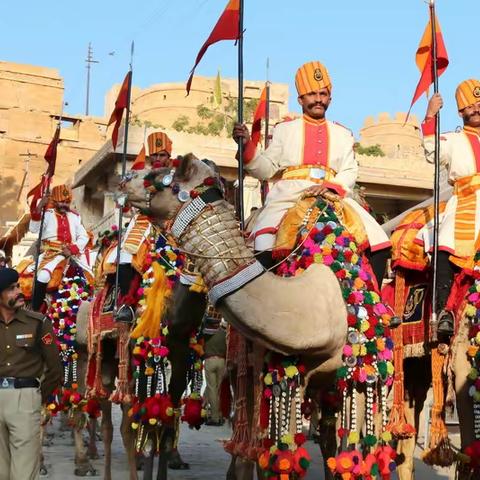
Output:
[[158, 141], [61, 193], [468, 93], [311, 77]]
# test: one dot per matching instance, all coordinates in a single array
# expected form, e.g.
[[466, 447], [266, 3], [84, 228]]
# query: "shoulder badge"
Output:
[[285, 119], [47, 339], [344, 127]]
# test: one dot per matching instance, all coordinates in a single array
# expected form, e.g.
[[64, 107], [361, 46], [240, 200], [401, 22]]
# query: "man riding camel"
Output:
[[460, 223], [309, 156], [63, 238], [135, 245]]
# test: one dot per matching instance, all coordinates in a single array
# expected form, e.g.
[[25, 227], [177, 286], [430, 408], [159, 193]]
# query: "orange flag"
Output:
[[120, 105], [139, 163], [424, 58], [227, 28], [260, 113]]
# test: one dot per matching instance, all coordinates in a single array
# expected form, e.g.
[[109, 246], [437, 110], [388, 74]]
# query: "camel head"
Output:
[[162, 192]]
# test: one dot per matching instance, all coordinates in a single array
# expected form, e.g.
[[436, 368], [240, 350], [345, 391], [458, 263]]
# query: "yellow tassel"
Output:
[[150, 322]]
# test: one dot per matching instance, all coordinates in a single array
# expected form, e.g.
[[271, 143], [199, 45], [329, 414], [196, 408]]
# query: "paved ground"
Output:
[[202, 449]]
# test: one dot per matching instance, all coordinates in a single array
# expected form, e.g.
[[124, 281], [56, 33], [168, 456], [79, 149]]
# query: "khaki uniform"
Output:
[[215, 353], [27, 351]]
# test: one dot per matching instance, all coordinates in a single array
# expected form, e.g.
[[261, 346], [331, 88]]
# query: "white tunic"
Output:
[[52, 232], [310, 143], [460, 154]]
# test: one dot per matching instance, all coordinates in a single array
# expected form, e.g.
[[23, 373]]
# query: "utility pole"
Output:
[[26, 178], [89, 60]]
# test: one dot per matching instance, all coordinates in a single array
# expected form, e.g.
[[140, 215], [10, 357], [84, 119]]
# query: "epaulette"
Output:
[[35, 315], [343, 126], [74, 212], [285, 119]]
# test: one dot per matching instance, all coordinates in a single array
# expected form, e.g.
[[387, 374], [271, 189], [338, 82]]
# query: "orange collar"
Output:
[[475, 131], [313, 121]]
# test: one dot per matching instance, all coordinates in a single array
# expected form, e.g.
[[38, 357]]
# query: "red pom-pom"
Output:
[[300, 439], [209, 181]]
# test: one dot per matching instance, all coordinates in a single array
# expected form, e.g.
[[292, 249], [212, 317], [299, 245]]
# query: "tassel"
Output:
[[225, 398], [156, 296], [98, 390], [398, 425], [122, 392], [439, 451]]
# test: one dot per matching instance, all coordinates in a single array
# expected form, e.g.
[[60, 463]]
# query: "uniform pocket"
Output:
[[30, 400]]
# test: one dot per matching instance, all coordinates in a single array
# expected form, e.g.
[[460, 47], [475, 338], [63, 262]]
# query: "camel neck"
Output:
[[216, 244]]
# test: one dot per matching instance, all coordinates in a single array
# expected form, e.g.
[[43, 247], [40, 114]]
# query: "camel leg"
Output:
[[148, 466], [107, 434], [327, 439], [128, 438], [92, 434], [461, 367], [83, 467], [418, 378]]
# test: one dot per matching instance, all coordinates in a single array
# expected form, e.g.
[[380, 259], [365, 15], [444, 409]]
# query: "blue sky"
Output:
[[368, 46]]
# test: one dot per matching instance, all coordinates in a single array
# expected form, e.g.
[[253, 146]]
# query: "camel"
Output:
[[263, 308], [418, 375], [185, 312]]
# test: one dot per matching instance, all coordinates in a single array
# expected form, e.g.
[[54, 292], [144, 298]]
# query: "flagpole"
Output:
[[42, 218], [240, 212], [266, 141], [124, 172], [436, 182]]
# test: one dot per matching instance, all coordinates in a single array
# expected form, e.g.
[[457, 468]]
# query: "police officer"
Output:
[[27, 353]]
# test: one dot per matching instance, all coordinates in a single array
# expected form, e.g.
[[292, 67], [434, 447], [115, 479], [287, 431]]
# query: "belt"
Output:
[[317, 173], [18, 382]]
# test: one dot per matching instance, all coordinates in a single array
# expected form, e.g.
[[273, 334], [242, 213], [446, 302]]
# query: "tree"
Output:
[[371, 151], [181, 123], [216, 119], [134, 120]]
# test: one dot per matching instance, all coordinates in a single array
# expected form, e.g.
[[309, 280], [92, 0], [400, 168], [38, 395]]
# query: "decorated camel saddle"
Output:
[[320, 314]]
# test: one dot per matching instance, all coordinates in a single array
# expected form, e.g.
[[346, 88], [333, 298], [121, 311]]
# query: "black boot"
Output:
[[445, 320], [125, 313], [378, 261], [39, 293]]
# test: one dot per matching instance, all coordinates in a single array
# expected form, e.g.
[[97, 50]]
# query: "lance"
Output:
[[240, 212], [50, 173], [436, 182], [121, 202], [264, 187]]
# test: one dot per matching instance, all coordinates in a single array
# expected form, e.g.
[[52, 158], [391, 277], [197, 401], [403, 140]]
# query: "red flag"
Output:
[[225, 29], [51, 153], [424, 58], [38, 191], [120, 105], [139, 163], [260, 114]]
